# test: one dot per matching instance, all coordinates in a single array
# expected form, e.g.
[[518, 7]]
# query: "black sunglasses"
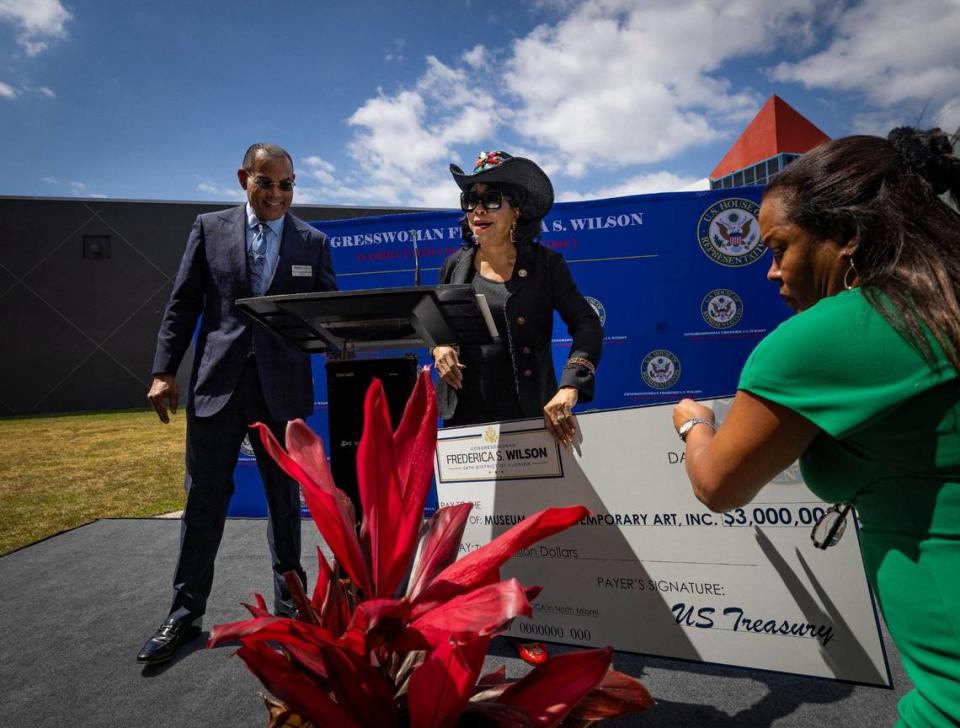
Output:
[[491, 199], [265, 183]]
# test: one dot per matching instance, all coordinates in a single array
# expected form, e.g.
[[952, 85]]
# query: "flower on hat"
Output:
[[489, 160]]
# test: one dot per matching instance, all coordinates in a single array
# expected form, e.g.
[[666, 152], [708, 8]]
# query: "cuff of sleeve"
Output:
[[575, 361], [581, 379]]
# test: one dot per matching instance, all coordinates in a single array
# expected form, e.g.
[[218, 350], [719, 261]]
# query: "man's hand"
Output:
[[164, 392]]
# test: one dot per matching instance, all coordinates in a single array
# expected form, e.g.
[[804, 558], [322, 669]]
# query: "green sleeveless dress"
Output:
[[889, 444]]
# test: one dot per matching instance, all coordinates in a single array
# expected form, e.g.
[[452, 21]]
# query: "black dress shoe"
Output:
[[168, 639]]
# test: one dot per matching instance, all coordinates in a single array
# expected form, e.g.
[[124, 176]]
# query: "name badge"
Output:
[[302, 271]]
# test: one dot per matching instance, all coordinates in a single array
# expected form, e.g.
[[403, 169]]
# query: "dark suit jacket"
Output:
[[541, 283], [213, 275]]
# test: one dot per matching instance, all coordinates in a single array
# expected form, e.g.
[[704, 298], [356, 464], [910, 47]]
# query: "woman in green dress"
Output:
[[862, 384]]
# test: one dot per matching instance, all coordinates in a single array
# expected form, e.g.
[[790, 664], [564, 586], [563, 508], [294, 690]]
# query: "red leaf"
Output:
[[260, 609], [549, 692], [279, 629], [308, 660], [379, 488], [617, 694], [307, 451], [324, 579], [493, 677], [360, 688], [340, 535], [441, 545], [478, 613], [415, 431], [374, 622], [482, 565], [440, 688], [293, 688], [415, 443], [299, 596], [475, 653]]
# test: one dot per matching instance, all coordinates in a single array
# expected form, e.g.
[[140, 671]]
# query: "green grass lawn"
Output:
[[60, 472]]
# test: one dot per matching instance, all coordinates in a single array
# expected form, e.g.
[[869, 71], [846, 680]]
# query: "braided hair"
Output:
[[885, 195]]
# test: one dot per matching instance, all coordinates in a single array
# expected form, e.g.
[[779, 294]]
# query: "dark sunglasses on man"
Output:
[[491, 199], [265, 183]]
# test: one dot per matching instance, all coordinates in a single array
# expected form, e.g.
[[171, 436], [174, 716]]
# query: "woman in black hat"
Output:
[[504, 202]]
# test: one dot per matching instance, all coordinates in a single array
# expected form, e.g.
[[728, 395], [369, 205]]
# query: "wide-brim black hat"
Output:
[[501, 168]]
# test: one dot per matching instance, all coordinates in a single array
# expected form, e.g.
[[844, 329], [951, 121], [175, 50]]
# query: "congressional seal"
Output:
[[729, 233]]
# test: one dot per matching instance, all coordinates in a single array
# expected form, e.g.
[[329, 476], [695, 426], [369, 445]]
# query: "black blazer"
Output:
[[213, 275], [541, 283]]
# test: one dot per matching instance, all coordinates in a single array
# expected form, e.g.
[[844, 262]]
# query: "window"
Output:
[[738, 179], [748, 176]]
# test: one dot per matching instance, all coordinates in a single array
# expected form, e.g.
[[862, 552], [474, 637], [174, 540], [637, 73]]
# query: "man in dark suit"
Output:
[[242, 373]]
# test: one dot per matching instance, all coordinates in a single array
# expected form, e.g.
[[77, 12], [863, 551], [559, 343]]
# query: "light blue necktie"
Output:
[[258, 260]]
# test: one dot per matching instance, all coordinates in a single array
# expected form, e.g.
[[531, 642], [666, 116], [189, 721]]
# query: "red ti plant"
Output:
[[383, 643]]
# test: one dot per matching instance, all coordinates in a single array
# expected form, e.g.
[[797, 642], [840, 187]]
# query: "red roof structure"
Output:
[[777, 128]]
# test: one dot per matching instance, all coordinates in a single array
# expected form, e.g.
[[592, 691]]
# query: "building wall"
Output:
[[83, 283]]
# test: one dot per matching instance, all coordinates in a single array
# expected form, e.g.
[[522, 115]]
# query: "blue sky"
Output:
[[373, 99]]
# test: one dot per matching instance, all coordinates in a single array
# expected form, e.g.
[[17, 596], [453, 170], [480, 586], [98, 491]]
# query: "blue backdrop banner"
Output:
[[678, 280]]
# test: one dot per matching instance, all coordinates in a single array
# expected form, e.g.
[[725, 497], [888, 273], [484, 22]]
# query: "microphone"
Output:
[[416, 259]]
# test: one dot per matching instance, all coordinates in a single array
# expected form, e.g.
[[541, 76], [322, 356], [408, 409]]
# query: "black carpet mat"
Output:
[[75, 609]]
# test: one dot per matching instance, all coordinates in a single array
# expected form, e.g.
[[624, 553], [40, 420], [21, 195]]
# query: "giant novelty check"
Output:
[[651, 570]]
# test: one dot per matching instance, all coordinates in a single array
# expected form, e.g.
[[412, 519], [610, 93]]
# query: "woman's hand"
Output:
[[448, 365], [758, 439], [558, 415], [686, 409]]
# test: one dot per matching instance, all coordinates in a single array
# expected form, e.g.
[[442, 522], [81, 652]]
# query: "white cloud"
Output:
[[612, 86], [643, 184], [74, 187], [211, 188], [879, 123], [318, 184], [890, 50], [619, 83], [395, 52], [39, 21], [320, 169], [11, 92], [476, 57], [403, 141], [442, 193]]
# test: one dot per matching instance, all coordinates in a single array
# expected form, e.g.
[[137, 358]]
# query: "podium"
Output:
[[343, 324]]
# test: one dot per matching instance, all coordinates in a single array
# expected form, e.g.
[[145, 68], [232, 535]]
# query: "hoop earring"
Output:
[[847, 282]]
